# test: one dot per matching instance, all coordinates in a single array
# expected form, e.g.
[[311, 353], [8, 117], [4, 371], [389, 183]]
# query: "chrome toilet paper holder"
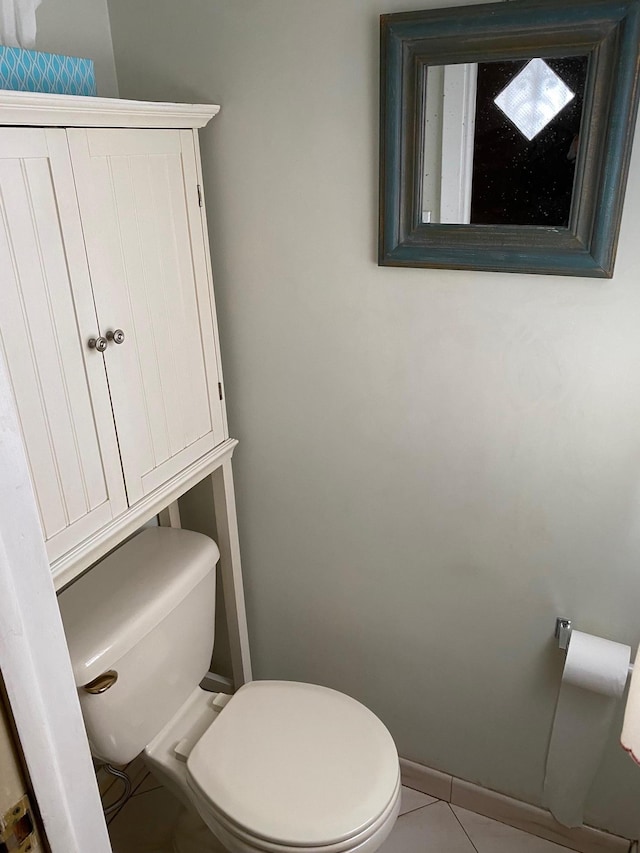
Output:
[[563, 632]]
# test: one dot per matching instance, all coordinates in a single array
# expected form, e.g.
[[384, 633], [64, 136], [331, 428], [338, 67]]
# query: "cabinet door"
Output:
[[139, 205], [46, 317]]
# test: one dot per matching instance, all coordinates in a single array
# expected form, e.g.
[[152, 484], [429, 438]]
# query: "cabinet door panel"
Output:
[[45, 311], [139, 212]]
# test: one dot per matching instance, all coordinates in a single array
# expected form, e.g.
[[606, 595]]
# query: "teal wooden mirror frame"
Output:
[[608, 32]]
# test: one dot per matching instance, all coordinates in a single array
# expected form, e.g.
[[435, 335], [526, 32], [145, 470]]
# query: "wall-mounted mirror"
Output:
[[506, 132]]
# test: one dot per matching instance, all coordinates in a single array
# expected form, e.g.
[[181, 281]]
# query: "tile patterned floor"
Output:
[[425, 825]]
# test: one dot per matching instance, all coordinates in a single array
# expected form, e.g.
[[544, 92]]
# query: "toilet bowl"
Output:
[[280, 767], [277, 767]]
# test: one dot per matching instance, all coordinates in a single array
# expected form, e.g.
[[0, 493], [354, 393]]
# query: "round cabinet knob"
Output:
[[98, 343], [117, 337]]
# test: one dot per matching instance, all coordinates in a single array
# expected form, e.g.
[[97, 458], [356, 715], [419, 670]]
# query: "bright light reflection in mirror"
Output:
[[534, 98]]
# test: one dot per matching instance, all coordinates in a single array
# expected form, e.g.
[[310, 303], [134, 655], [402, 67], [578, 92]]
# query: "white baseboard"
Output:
[[531, 819], [424, 779]]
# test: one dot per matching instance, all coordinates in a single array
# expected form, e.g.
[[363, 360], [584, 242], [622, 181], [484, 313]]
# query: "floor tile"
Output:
[[490, 836], [137, 771], [412, 800], [138, 774], [105, 781], [112, 796], [433, 828], [145, 823], [149, 783]]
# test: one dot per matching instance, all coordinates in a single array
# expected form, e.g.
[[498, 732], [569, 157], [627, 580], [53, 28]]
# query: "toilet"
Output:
[[277, 767]]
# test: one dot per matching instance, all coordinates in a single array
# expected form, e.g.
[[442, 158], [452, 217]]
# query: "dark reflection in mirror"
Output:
[[521, 181], [501, 141]]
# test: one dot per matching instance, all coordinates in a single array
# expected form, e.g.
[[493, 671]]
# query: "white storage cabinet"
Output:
[[107, 322]]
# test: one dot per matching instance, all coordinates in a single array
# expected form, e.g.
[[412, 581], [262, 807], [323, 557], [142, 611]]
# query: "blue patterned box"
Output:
[[34, 71]]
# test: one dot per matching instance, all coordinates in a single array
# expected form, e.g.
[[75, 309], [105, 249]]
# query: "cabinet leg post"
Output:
[[170, 515], [231, 574]]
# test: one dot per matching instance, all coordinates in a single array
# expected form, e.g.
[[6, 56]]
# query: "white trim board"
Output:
[[531, 819], [35, 662], [41, 109]]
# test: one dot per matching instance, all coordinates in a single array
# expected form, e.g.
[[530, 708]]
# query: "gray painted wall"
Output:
[[433, 465], [80, 28]]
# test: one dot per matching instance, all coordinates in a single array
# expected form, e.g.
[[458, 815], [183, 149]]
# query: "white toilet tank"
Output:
[[147, 612]]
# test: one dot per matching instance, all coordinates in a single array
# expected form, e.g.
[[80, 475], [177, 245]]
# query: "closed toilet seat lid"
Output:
[[295, 764]]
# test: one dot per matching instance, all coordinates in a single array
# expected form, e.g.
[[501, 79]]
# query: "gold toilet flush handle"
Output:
[[102, 682]]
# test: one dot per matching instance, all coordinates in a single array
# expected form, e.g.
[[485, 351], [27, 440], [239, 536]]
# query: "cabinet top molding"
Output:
[[44, 110]]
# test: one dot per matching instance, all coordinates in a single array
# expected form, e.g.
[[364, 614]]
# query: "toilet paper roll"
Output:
[[596, 664], [593, 680]]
